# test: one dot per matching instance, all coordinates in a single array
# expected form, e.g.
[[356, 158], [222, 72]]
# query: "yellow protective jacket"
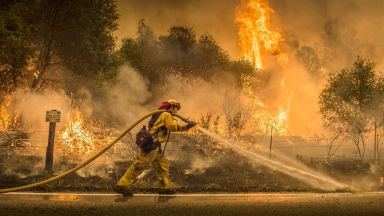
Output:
[[165, 123]]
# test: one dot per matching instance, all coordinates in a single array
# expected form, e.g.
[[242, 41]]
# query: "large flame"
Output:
[[4, 118], [75, 138], [4, 115], [255, 34], [256, 38], [266, 120]]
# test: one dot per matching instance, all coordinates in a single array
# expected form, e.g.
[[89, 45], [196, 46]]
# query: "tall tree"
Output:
[[78, 33], [347, 101], [15, 49], [210, 56]]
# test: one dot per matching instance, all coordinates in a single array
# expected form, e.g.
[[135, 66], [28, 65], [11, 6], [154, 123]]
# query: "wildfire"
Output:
[[4, 115], [4, 118], [75, 138], [263, 118], [255, 34], [256, 38], [266, 121], [281, 123]]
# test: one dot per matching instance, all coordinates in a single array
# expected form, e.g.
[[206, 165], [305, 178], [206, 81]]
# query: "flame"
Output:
[[256, 37], [255, 34], [75, 138], [281, 123], [267, 120], [4, 115]]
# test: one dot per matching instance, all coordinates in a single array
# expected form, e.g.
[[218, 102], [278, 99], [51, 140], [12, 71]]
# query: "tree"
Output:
[[79, 34], [209, 56], [177, 49], [236, 114], [75, 34], [347, 101], [378, 117], [15, 49], [179, 38], [143, 53], [179, 52]]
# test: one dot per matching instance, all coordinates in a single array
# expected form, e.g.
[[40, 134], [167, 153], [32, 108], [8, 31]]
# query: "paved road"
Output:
[[193, 204]]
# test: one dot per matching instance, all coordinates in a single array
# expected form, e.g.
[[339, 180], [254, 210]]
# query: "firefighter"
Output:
[[159, 127]]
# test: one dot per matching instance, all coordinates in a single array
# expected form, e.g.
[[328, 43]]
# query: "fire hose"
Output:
[[98, 154]]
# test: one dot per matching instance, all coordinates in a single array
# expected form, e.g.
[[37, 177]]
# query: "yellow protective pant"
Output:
[[160, 163]]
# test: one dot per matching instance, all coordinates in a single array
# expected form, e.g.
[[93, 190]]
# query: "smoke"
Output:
[[340, 30], [129, 98], [199, 165], [195, 95], [102, 167], [32, 106]]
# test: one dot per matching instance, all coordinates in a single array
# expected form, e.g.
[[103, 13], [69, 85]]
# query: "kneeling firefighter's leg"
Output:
[[162, 170], [138, 166]]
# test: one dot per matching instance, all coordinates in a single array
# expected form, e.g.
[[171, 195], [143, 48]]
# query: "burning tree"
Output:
[[258, 38], [256, 35]]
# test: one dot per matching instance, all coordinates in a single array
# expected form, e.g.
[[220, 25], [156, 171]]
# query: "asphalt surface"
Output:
[[193, 204]]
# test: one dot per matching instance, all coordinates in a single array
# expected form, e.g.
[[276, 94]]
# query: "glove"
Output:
[[190, 125]]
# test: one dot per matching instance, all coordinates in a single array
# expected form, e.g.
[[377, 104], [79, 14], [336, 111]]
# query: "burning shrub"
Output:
[[12, 135], [75, 138]]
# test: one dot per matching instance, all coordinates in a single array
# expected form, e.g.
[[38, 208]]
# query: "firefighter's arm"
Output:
[[173, 126]]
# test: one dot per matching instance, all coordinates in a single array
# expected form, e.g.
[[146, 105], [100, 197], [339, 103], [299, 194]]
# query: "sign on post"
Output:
[[52, 116]]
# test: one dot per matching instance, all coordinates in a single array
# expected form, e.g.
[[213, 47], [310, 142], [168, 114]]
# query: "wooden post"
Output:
[[270, 143], [375, 145], [50, 147], [52, 117]]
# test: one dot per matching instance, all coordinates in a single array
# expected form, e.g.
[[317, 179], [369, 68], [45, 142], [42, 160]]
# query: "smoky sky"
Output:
[[303, 20], [360, 25], [215, 17]]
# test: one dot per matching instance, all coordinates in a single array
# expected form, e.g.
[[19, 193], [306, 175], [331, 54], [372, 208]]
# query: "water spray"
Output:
[[314, 178], [311, 177]]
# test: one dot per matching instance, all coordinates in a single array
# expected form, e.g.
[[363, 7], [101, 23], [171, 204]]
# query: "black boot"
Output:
[[125, 191], [167, 191]]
